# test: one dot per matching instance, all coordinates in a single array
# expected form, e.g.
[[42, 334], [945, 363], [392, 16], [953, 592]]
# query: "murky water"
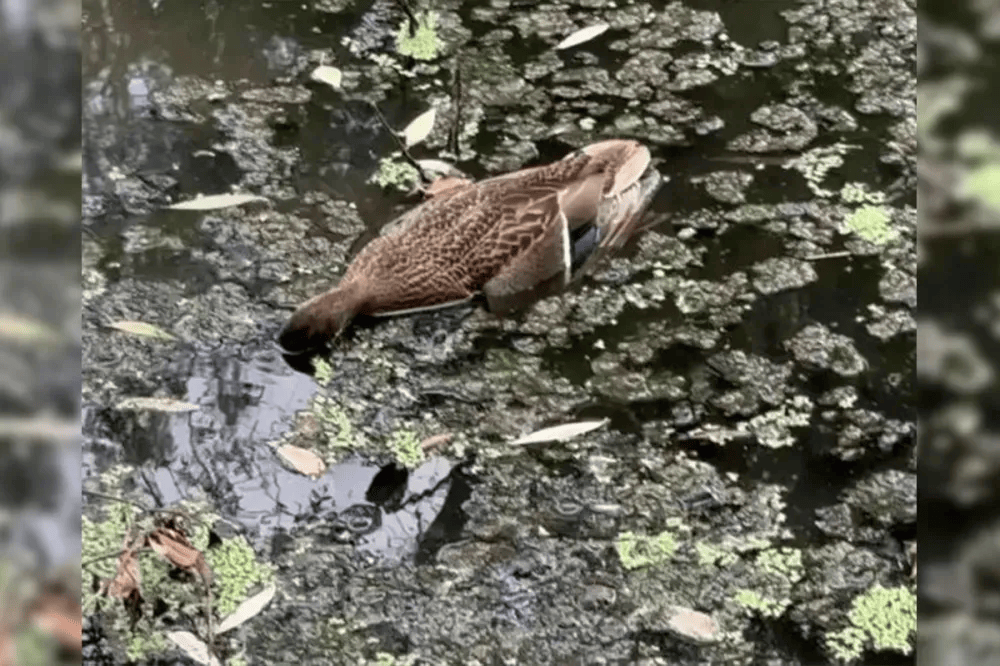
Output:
[[188, 98]]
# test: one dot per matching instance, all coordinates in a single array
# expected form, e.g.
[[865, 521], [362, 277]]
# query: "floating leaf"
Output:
[[215, 201], [582, 35], [193, 647], [157, 405], [248, 609], [25, 330], [438, 167], [302, 460], [436, 441], [694, 625], [560, 432], [331, 76], [142, 329], [173, 545], [420, 128]]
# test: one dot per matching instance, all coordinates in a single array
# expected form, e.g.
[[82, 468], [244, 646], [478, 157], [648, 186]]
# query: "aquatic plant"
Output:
[[423, 43], [778, 569], [882, 618], [395, 173], [236, 571], [405, 446], [636, 550], [983, 185], [872, 224]]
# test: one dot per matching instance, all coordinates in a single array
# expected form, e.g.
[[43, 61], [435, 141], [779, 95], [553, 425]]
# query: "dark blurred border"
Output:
[[959, 332], [39, 331]]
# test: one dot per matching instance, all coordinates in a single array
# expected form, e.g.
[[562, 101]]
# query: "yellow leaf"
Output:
[[142, 329], [420, 128]]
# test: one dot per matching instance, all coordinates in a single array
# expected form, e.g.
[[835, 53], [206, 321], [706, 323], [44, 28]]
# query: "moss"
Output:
[[425, 43], [871, 223], [405, 446], [393, 172], [883, 618], [637, 551], [236, 570]]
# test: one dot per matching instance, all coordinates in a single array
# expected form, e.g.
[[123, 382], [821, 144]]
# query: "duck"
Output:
[[507, 241]]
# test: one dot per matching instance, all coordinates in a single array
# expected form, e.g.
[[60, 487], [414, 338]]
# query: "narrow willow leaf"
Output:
[[438, 167], [248, 609], [420, 128], [331, 76], [26, 330], [215, 201], [142, 329], [581, 36], [169, 405], [302, 460], [560, 432], [193, 647]]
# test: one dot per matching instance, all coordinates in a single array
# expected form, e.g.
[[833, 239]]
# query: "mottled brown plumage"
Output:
[[513, 239]]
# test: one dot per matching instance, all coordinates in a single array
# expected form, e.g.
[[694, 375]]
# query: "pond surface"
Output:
[[753, 354]]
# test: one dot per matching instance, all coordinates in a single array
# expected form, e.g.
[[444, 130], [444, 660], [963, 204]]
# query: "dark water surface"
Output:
[[187, 98]]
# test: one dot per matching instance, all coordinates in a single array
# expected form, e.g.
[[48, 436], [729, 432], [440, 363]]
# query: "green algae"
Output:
[[637, 551], [423, 43], [237, 571], [234, 565], [394, 172], [884, 619], [872, 223], [405, 446]]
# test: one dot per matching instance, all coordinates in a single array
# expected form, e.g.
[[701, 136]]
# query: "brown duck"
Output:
[[511, 240]]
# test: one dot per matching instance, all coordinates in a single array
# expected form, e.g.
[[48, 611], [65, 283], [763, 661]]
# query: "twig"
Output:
[[456, 127], [399, 142], [409, 15], [828, 255]]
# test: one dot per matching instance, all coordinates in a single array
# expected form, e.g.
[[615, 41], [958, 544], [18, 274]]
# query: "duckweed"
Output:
[[636, 551], [883, 618], [764, 606], [236, 570], [871, 223], [394, 172], [425, 43], [405, 446]]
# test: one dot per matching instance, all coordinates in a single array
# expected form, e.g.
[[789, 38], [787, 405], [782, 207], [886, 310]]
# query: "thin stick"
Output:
[[829, 255], [410, 15], [399, 142]]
